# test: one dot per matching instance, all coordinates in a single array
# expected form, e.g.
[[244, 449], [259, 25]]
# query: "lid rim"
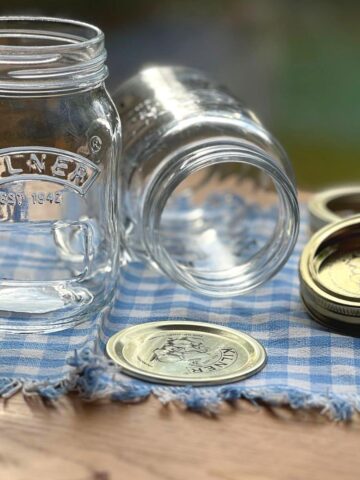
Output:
[[317, 297], [251, 367], [319, 211]]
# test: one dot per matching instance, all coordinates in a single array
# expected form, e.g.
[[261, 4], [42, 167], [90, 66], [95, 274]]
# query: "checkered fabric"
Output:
[[307, 365]]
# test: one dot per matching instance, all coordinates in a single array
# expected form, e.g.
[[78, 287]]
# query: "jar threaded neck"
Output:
[[49, 54], [242, 277]]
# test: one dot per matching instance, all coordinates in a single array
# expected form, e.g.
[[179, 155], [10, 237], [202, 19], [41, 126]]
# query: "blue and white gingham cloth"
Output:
[[307, 365]]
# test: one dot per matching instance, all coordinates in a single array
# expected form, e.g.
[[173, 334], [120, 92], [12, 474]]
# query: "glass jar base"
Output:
[[43, 308], [11, 326]]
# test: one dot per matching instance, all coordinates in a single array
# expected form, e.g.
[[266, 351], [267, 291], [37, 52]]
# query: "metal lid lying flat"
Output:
[[330, 275], [333, 205], [184, 352]]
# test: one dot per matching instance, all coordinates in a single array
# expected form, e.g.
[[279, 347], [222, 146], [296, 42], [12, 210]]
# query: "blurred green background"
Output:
[[295, 62]]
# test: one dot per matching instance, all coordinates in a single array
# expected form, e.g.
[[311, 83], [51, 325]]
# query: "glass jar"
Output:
[[208, 195], [59, 148]]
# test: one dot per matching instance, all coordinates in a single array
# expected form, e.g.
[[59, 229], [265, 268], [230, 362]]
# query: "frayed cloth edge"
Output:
[[93, 377], [202, 400]]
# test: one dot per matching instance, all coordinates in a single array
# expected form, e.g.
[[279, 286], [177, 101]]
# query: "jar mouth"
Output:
[[44, 53], [234, 267]]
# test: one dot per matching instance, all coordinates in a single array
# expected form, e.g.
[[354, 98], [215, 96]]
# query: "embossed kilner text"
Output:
[[48, 164]]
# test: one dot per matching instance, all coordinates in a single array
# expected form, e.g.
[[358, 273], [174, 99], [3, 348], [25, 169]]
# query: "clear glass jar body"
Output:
[[59, 149], [208, 195]]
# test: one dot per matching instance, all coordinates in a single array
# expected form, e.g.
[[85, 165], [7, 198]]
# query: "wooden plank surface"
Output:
[[80, 441]]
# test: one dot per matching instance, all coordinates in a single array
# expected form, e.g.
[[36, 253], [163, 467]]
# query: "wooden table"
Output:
[[77, 441]]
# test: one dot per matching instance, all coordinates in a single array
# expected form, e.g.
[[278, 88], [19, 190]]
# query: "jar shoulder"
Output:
[[85, 123], [164, 137]]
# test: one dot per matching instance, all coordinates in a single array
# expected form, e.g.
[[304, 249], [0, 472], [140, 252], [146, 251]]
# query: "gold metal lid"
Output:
[[184, 352], [330, 275], [333, 205]]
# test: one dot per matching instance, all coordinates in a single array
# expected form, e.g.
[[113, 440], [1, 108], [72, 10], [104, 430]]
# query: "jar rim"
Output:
[[50, 54], [83, 42], [165, 180]]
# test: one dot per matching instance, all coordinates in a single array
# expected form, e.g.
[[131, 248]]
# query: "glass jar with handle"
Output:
[[59, 150]]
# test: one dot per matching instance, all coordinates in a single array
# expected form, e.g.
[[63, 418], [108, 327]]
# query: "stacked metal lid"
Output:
[[330, 263], [332, 205]]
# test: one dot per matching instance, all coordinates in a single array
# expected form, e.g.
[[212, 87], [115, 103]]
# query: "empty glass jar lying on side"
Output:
[[59, 147], [208, 195]]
